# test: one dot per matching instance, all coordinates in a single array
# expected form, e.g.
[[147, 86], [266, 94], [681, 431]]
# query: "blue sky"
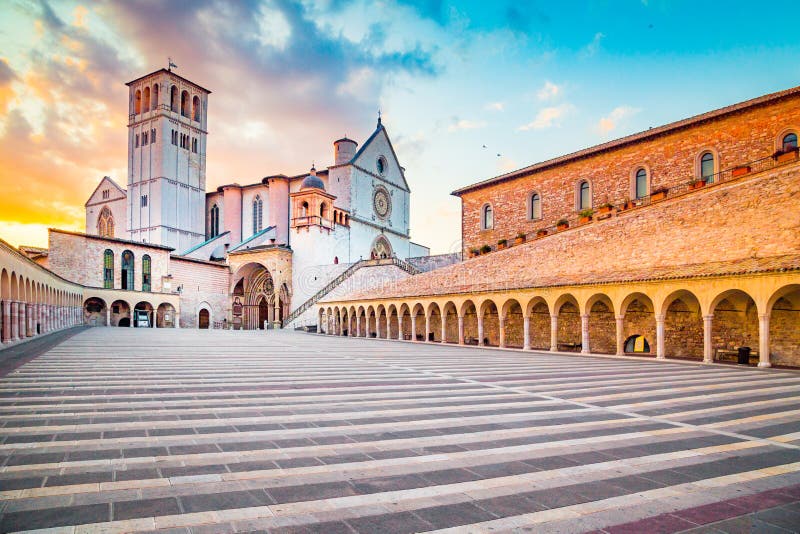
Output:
[[529, 80]]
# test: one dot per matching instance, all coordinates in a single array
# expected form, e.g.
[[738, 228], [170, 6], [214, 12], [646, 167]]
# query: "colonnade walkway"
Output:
[[140, 430]]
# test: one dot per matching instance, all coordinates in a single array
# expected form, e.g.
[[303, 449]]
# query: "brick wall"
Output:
[[201, 283], [671, 158]]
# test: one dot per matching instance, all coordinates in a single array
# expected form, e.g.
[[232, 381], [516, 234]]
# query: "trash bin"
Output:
[[744, 355]]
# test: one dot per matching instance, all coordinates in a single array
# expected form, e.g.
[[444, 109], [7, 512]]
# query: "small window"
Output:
[[145, 273], [707, 167], [137, 140], [108, 269], [137, 108], [487, 218], [258, 214], [584, 196], [153, 135], [144, 201], [641, 183], [126, 277], [381, 165], [144, 139], [214, 220], [789, 142], [535, 211]]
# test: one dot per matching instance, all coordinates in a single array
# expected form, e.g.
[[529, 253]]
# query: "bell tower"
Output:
[[167, 136]]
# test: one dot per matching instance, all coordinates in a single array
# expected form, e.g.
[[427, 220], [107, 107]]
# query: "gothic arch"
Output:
[[381, 248]]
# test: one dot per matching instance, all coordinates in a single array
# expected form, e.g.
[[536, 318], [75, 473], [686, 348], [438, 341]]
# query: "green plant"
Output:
[[474, 251], [606, 205], [562, 222], [521, 235], [588, 212], [502, 242], [485, 249]]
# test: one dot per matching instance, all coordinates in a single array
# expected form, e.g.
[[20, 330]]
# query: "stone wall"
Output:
[[201, 283], [671, 160]]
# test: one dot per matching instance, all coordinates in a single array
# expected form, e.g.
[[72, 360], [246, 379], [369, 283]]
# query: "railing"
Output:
[[659, 195], [309, 220], [330, 286]]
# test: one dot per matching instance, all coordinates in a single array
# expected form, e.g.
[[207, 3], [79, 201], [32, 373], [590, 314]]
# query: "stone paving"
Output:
[[129, 430]]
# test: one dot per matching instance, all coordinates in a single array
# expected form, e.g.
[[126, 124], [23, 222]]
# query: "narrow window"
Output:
[[146, 99], [127, 270], [257, 214], [144, 139], [196, 108], [536, 206], [145, 273], [707, 167], [789, 142], [214, 220], [487, 218], [584, 196], [173, 98], [137, 106], [155, 96], [185, 103], [153, 135], [144, 201], [108, 269], [137, 140], [323, 210], [641, 183]]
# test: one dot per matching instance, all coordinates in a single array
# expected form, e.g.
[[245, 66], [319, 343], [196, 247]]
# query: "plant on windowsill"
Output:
[[605, 208], [541, 232], [474, 251], [502, 244], [485, 249], [520, 239], [658, 194], [741, 170], [586, 216], [562, 224], [696, 183], [782, 156]]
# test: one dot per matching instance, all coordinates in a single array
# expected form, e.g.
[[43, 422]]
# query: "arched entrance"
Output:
[[203, 319], [165, 316], [94, 312], [263, 312], [255, 298], [381, 248], [143, 316], [120, 313]]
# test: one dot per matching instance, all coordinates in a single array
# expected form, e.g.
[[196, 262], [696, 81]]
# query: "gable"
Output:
[[377, 146], [115, 192]]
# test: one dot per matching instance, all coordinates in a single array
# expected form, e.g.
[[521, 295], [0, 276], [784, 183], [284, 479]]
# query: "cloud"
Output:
[[593, 47], [495, 106], [617, 115], [549, 91], [548, 117], [463, 124]]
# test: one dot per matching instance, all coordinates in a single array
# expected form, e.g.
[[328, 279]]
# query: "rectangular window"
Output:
[[137, 140], [144, 201], [153, 135], [144, 139], [174, 137]]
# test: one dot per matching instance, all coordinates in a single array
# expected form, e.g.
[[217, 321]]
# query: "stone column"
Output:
[[554, 333], [480, 329], [358, 326], [176, 319], [444, 328], [620, 335], [14, 320], [6, 326], [399, 327], [31, 320], [427, 327], [660, 354], [708, 350], [413, 328], [526, 332], [23, 325], [501, 323], [585, 348], [763, 341], [460, 330]]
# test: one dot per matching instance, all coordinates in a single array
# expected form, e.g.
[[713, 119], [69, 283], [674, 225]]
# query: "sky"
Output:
[[467, 90]]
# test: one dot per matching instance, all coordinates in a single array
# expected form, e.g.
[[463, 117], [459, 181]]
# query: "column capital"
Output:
[[661, 317], [709, 317], [585, 316], [764, 316]]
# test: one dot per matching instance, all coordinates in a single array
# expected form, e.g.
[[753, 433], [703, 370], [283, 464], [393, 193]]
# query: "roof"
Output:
[[200, 245], [165, 71], [234, 248], [197, 260], [113, 183], [378, 130], [111, 239], [634, 138]]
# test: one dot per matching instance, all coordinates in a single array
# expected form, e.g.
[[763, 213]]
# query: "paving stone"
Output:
[[145, 508]]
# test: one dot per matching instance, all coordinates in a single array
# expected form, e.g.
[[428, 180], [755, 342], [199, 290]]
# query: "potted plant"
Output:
[[541, 232], [520, 239], [626, 204], [586, 215], [605, 208], [696, 183], [502, 244], [740, 170], [562, 224], [782, 156], [658, 194], [485, 249], [474, 251]]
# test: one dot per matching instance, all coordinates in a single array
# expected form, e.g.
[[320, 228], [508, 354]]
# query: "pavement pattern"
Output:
[[133, 430]]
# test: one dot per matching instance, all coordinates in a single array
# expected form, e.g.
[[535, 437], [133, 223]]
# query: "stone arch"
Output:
[[683, 325], [95, 312], [253, 291], [405, 320], [513, 324], [140, 310], [490, 317], [381, 248], [568, 333], [434, 315], [639, 322], [146, 104], [602, 324], [734, 322], [382, 324], [539, 318], [784, 326], [196, 108], [469, 314], [449, 330], [205, 316], [121, 314], [165, 315], [393, 328], [344, 314], [372, 322], [418, 321]]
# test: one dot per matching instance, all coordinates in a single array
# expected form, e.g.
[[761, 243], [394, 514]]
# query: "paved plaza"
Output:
[[131, 430]]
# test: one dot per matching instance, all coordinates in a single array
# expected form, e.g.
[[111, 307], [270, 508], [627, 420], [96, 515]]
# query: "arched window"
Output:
[[146, 99], [185, 103], [535, 209], [155, 96], [105, 223], [214, 220], [258, 214], [145, 273], [173, 98], [137, 104], [707, 167], [584, 195], [641, 184], [108, 269], [487, 217], [789, 142], [323, 210], [126, 277], [196, 108], [304, 209]]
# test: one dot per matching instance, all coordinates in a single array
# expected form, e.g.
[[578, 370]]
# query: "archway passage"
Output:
[[203, 319], [540, 326], [637, 344], [120, 313], [143, 316], [255, 291], [639, 321], [569, 327], [95, 312], [513, 325], [491, 324], [263, 312], [381, 248], [683, 327], [784, 327], [735, 325], [470, 318], [165, 316], [602, 327]]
